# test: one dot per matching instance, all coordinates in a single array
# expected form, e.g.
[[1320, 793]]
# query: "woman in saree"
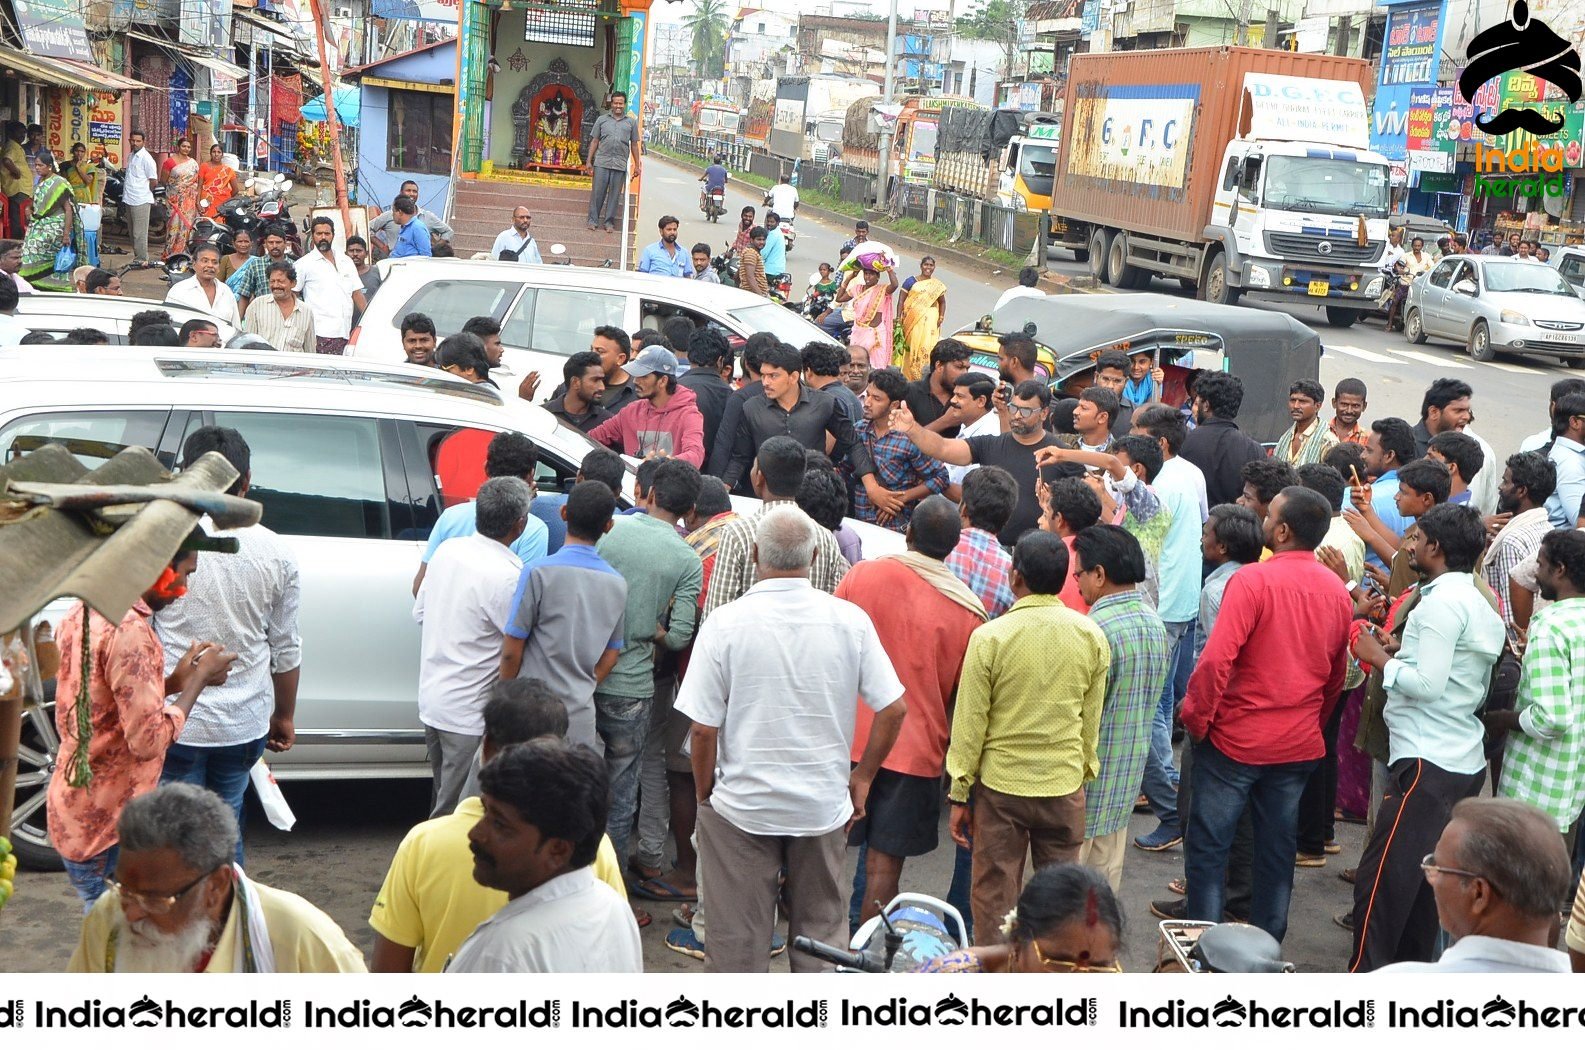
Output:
[[871, 310], [54, 226], [923, 306], [218, 179], [85, 179], [181, 184]]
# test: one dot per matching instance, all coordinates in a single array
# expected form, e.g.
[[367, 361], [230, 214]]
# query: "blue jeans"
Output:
[[1160, 784], [623, 725], [223, 770], [958, 892], [1222, 788], [88, 876]]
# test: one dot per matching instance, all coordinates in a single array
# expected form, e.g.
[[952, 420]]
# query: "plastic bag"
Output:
[[270, 795], [65, 260]]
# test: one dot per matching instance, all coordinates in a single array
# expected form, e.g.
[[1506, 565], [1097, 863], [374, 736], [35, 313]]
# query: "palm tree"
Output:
[[707, 29]]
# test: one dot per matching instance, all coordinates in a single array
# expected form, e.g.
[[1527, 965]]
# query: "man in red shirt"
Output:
[[924, 615], [1273, 666]]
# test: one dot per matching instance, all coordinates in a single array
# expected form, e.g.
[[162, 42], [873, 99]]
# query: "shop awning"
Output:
[[63, 72], [209, 62]]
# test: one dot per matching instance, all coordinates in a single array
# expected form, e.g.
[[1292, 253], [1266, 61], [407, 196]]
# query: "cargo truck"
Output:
[[1006, 155], [761, 113], [913, 155], [1235, 170], [800, 101]]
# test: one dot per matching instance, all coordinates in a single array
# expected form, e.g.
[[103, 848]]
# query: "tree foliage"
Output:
[[707, 31]]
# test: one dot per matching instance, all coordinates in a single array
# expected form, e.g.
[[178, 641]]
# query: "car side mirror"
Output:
[[1466, 288]]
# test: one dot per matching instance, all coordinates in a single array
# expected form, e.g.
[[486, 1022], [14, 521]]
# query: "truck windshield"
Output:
[[922, 143], [1331, 187], [829, 131], [1037, 166]]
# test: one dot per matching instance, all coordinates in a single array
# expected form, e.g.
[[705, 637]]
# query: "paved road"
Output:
[[1510, 393]]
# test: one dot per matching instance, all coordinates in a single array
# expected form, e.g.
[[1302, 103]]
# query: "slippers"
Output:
[[1179, 886], [642, 873], [642, 917], [657, 889], [683, 916]]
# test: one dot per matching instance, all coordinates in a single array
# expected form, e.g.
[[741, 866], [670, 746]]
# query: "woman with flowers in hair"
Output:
[[1067, 921]]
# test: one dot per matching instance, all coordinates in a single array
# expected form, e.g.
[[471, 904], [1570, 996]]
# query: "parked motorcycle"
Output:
[[781, 289], [270, 206], [910, 931], [726, 266], [177, 267], [116, 213]]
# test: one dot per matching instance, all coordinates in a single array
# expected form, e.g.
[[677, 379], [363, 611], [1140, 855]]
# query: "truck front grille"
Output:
[[1307, 246]]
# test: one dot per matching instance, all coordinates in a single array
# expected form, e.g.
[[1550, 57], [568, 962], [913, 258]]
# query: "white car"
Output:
[[345, 460], [1497, 305], [548, 313], [59, 312]]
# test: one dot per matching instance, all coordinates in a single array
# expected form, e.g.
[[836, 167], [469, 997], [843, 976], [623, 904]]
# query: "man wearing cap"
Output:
[[664, 421]]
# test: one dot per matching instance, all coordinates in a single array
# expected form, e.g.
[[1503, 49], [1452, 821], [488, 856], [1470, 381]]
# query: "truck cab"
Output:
[[1029, 168], [1301, 216]]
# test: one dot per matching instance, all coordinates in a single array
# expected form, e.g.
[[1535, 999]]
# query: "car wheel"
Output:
[[1480, 342], [1100, 244], [1575, 362], [1341, 316], [1216, 286], [1413, 329], [1120, 273], [36, 758]]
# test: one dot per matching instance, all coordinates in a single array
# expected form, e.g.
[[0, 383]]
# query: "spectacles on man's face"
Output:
[[1428, 864], [1021, 412], [1069, 966], [157, 904]]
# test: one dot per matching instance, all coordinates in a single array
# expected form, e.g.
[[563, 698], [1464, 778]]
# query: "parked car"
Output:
[[1494, 305], [1569, 261], [346, 459], [548, 313], [59, 312]]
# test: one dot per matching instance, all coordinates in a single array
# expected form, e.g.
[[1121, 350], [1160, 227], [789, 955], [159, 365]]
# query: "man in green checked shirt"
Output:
[[1544, 763]]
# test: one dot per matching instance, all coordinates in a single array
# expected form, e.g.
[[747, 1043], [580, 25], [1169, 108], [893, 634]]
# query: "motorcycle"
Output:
[[176, 268], [272, 208], [713, 204], [781, 289], [1210, 947], [815, 303], [788, 234], [726, 266], [909, 932], [116, 208]]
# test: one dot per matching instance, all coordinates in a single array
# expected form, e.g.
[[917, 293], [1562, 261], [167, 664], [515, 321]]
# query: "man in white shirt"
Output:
[[772, 773], [545, 807], [1028, 278], [204, 291], [11, 330], [331, 287], [971, 404], [137, 197], [1498, 873], [784, 200], [517, 244], [248, 602], [462, 607]]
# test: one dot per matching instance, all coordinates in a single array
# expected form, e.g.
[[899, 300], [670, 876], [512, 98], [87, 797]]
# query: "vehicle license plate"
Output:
[[1320, 287]]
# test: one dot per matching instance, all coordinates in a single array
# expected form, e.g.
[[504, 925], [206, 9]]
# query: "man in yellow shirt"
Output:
[[179, 905], [430, 902], [16, 175], [1025, 732]]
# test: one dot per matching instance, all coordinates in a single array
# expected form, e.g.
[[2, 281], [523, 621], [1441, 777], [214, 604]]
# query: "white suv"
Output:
[[56, 313], [346, 461], [548, 313]]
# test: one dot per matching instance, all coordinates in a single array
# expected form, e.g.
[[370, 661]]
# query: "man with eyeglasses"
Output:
[[1497, 873], [135, 714], [1436, 680], [180, 905]]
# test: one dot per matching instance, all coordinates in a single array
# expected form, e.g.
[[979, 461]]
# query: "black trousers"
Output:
[[1320, 793], [1394, 910], [1240, 859]]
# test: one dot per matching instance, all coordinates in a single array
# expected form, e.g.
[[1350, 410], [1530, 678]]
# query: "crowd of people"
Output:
[[677, 705]]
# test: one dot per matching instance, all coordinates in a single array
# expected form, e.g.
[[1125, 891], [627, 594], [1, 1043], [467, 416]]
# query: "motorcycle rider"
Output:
[[775, 251], [783, 200], [714, 179]]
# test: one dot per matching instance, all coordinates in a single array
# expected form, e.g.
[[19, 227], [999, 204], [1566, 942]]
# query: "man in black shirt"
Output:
[[1014, 451], [823, 371], [614, 349], [583, 383], [709, 355], [1216, 445], [786, 407], [732, 414], [930, 396]]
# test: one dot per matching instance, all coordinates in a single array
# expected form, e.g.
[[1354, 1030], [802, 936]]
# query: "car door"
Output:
[[547, 325], [1431, 296], [1572, 269], [333, 486]]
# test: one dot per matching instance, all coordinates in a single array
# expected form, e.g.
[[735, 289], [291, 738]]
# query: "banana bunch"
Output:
[[8, 870]]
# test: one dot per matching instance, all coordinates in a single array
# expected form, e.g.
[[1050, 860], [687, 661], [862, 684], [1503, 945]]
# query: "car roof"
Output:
[[583, 277], [121, 307]]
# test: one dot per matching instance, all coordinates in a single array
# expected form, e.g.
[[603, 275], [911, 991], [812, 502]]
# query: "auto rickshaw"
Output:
[[1267, 349]]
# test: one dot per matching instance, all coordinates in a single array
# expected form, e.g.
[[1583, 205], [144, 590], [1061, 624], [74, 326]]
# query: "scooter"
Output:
[[787, 233], [713, 204], [1211, 947], [910, 931], [726, 266]]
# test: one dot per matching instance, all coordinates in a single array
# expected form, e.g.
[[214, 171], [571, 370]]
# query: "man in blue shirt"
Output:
[[714, 178], [665, 257], [414, 238], [1567, 452], [1390, 446], [509, 455], [775, 251]]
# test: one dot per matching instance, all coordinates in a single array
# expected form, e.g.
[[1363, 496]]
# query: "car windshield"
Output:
[[1534, 278], [780, 322], [1327, 186]]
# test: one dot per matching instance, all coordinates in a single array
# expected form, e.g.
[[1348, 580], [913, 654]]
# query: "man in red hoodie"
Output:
[[664, 420]]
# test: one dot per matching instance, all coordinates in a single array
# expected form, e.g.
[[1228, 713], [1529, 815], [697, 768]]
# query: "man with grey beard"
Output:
[[179, 904]]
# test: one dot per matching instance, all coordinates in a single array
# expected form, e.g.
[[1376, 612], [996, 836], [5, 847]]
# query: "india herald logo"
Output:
[[1527, 44]]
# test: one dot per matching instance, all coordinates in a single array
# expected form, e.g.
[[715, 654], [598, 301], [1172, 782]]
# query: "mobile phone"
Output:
[[1007, 393], [1354, 473]]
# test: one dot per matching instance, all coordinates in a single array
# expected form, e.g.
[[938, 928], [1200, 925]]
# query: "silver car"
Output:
[[1494, 305]]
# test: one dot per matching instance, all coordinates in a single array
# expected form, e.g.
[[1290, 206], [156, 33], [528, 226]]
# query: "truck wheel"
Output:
[[1216, 286], [1081, 255], [1341, 316], [1100, 243], [1120, 273], [1480, 343], [1414, 326], [40, 750]]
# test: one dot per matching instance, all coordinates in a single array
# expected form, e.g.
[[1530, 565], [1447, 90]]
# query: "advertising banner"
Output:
[[54, 28], [1297, 110], [1523, 89], [97, 120], [1409, 59], [1135, 134]]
